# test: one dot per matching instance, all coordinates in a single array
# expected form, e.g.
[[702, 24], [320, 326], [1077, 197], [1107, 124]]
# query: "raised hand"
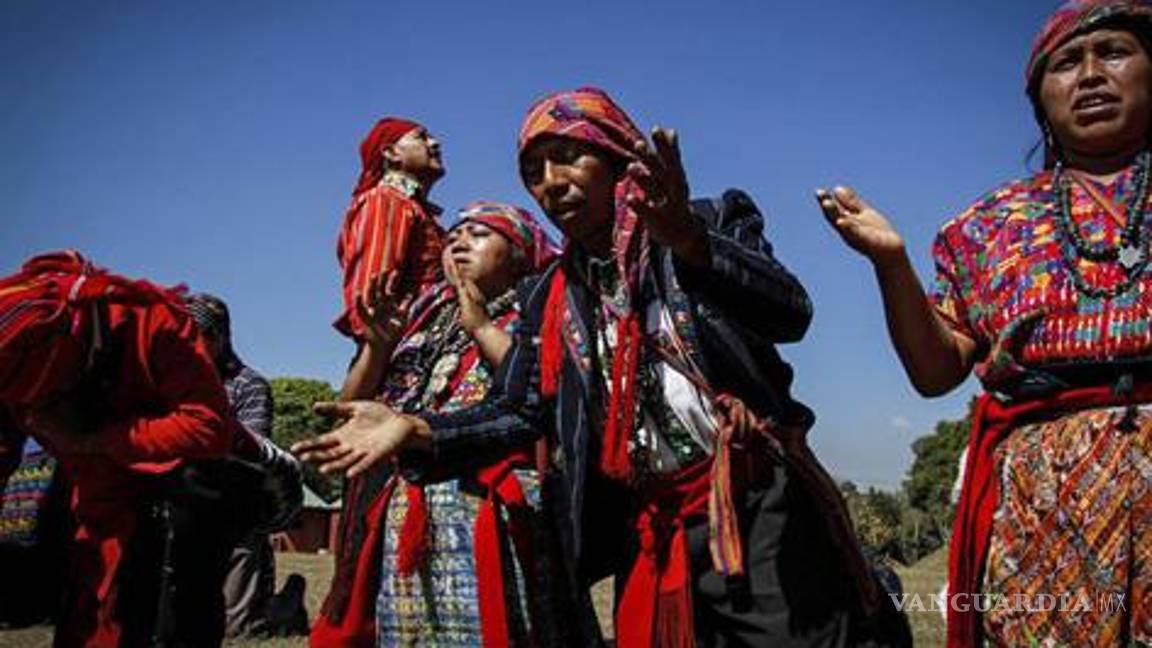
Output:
[[384, 309], [862, 227], [473, 314], [664, 205], [371, 432]]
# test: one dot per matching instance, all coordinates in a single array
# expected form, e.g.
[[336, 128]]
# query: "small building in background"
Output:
[[316, 530]]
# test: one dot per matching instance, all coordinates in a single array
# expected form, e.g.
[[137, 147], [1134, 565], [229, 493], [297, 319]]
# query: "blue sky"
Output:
[[215, 144]]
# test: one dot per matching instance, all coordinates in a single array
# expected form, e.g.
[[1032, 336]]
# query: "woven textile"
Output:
[[1001, 279], [23, 499], [1074, 521]]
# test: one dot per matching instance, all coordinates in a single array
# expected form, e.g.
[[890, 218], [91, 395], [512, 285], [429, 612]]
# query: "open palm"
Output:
[[861, 226]]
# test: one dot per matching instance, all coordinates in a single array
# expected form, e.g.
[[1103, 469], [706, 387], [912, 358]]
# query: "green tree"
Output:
[[928, 485], [934, 469], [296, 421]]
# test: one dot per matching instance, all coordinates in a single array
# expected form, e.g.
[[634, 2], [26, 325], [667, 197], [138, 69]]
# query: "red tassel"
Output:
[[551, 337], [503, 492], [413, 533], [675, 627], [490, 577], [614, 460], [348, 617]]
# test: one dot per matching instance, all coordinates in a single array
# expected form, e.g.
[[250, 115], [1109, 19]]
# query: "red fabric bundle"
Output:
[[49, 323]]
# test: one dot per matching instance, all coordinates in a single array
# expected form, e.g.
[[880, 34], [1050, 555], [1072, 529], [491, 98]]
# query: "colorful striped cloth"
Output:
[[23, 499], [1001, 279]]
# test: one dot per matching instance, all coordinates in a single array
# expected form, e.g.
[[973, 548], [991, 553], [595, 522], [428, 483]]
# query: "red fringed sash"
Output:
[[656, 604], [614, 459], [348, 619], [503, 492]]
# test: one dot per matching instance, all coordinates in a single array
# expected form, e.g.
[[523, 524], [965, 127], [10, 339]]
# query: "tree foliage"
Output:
[[934, 469], [916, 520], [296, 421]]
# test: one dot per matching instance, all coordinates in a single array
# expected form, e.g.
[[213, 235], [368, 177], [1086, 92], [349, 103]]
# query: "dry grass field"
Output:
[[924, 578]]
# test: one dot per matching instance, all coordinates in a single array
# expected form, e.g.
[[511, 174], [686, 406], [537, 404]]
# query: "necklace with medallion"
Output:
[[1132, 251]]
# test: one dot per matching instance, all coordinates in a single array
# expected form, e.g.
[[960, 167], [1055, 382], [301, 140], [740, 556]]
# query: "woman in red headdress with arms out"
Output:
[[1043, 288]]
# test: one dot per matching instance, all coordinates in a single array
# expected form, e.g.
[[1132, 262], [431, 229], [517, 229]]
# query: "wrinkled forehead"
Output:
[[1081, 17]]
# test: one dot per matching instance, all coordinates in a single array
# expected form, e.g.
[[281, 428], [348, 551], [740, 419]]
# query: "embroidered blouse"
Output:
[[1004, 278]]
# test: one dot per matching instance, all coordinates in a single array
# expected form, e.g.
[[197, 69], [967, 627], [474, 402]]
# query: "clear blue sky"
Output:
[[215, 144]]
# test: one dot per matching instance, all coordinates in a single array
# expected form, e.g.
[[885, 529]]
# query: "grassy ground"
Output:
[[924, 578], [316, 569]]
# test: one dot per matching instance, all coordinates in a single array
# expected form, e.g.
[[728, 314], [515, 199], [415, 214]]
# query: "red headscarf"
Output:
[[518, 226], [48, 321], [1076, 17], [385, 133], [589, 115]]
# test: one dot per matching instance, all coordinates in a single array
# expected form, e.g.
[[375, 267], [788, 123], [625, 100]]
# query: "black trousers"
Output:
[[797, 592], [172, 591]]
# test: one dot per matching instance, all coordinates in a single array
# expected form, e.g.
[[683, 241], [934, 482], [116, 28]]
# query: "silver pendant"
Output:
[[1130, 256], [443, 371]]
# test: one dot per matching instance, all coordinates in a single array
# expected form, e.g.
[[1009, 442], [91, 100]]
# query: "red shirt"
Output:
[[387, 228]]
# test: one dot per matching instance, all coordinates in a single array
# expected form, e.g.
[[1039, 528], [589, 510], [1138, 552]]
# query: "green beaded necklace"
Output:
[[1131, 253]]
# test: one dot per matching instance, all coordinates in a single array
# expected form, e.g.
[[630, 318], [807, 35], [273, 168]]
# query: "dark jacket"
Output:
[[731, 315]]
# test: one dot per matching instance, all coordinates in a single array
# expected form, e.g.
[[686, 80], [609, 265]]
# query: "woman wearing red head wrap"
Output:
[[390, 225], [646, 356], [1042, 287], [463, 561], [112, 376]]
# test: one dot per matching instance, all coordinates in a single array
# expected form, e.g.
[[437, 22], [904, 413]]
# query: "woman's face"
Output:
[[575, 184], [484, 256], [1095, 93]]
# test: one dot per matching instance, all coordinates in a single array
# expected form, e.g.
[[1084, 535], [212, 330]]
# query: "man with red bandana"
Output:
[[390, 224]]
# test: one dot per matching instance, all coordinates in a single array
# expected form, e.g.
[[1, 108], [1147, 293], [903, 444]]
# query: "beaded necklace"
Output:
[[445, 343], [1131, 253]]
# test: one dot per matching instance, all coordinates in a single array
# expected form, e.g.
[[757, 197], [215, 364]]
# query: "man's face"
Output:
[[574, 183], [417, 153]]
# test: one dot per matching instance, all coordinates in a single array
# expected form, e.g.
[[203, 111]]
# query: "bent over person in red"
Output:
[[111, 375]]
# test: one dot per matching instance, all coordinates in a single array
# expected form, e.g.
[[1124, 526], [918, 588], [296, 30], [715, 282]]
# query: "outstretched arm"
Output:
[[437, 445], [936, 357]]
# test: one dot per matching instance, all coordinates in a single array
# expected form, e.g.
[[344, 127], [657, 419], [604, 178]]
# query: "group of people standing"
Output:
[[622, 411], [521, 420]]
